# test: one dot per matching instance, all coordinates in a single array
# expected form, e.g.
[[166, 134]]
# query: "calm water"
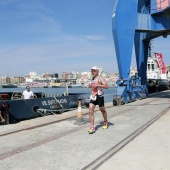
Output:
[[108, 93]]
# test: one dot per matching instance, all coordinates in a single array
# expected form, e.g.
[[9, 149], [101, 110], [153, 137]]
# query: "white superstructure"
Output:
[[156, 68]]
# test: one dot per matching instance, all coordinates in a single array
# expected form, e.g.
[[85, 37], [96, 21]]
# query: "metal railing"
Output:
[[162, 4], [158, 6]]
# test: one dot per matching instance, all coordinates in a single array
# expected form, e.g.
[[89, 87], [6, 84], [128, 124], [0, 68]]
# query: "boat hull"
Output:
[[9, 86], [27, 109], [156, 85]]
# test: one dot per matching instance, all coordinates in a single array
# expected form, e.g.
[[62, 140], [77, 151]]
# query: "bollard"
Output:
[[119, 101], [79, 113], [79, 120]]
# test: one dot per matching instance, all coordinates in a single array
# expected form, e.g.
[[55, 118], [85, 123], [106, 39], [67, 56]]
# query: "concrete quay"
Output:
[[149, 151], [55, 142]]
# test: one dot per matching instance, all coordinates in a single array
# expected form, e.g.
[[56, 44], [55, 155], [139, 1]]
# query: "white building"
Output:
[[33, 74]]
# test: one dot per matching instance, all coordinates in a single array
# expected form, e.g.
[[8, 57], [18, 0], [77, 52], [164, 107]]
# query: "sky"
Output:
[[59, 35]]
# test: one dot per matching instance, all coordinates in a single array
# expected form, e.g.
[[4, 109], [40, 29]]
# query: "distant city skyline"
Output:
[[53, 36], [35, 74]]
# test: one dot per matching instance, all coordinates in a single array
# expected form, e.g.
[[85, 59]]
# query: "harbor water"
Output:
[[108, 93]]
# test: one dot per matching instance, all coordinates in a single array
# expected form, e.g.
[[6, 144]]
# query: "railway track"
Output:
[[67, 118], [107, 155]]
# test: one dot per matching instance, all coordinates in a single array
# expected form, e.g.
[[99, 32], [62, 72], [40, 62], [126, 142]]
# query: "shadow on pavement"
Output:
[[101, 124]]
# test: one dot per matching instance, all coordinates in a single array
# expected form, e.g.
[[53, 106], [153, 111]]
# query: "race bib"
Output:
[[93, 97], [100, 92]]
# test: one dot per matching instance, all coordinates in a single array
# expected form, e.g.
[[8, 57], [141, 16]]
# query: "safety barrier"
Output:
[[53, 95]]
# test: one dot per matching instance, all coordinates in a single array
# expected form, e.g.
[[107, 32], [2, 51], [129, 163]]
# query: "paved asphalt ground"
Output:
[[149, 151], [63, 145]]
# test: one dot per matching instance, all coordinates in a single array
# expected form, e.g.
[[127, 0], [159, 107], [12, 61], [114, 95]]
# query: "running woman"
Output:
[[97, 85]]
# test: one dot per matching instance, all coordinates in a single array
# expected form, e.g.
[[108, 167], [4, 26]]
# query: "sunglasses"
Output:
[[93, 70]]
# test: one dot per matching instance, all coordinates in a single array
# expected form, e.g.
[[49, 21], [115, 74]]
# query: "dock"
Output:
[[138, 132]]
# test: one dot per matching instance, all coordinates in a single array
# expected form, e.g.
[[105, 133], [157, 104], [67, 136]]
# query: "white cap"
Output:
[[94, 68]]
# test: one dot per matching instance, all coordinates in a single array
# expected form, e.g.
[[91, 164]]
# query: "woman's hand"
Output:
[[89, 85], [95, 86]]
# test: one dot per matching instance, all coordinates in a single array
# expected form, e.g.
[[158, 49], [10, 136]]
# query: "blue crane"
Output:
[[136, 22]]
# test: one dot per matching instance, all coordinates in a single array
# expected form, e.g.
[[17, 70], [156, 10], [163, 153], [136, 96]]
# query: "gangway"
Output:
[[136, 22]]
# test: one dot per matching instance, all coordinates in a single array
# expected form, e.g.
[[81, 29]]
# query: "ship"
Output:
[[157, 74], [41, 105], [9, 86], [157, 78], [77, 86], [57, 86], [45, 86]]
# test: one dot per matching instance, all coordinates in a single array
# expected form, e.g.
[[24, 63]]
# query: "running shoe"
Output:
[[105, 125], [91, 130]]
